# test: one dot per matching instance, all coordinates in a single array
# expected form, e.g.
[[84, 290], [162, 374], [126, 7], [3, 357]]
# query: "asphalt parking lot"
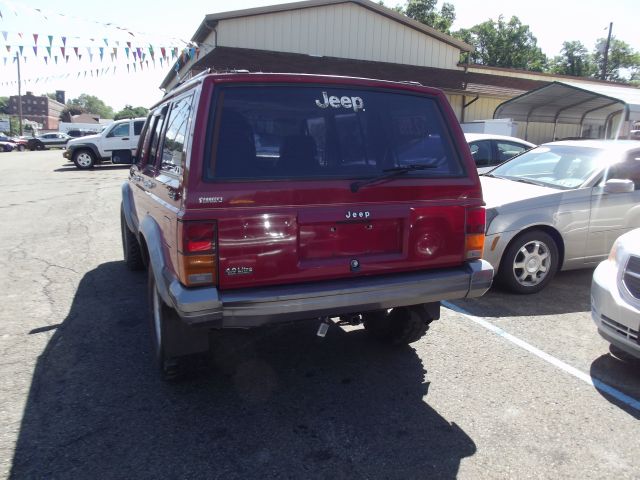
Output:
[[501, 387]]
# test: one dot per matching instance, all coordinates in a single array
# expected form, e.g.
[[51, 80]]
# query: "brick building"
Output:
[[40, 109]]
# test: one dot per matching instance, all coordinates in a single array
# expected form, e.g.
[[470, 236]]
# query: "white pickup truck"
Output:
[[116, 144]]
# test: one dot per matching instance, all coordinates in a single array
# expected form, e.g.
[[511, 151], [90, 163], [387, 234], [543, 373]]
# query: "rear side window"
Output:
[[137, 127], [176, 132], [281, 132]]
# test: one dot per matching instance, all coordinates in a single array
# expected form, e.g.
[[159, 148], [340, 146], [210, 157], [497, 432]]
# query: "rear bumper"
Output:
[[248, 308]]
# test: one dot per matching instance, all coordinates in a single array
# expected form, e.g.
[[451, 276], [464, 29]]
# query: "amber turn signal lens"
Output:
[[474, 245], [197, 270]]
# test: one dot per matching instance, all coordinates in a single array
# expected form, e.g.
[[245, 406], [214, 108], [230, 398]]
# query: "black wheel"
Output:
[[21, 148], [624, 356], [529, 263], [401, 326], [130, 246], [161, 316], [179, 349], [39, 146], [84, 159]]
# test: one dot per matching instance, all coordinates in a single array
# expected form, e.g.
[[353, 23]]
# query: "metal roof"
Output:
[[572, 103]]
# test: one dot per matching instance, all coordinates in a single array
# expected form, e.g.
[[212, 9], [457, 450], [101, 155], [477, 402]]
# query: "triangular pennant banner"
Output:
[[64, 41], [126, 51], [4, 34], [20, 48], [55, 57], [62, 51], [163, 52], [50, 37], [75, 50], [35, 38], [35, 50], [46, 60], [49, 51], [101, 52]]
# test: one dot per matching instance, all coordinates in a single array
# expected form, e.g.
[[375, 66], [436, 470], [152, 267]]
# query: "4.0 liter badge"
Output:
[[232, 271]]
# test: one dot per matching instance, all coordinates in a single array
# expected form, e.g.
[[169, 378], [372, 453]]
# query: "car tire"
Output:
[[400, 326], [170, 333], [131, 247], [84, 159], [529, 263], [21, 148], [39, 146], [623, 356]]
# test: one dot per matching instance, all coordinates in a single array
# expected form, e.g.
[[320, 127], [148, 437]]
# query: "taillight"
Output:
[[197, 253], [475, 225]]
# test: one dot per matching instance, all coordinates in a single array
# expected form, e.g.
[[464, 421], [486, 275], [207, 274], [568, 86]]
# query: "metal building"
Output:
[[358, 38]]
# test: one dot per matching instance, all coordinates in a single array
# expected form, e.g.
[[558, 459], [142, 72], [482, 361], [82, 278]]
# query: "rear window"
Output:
[[281, 132]]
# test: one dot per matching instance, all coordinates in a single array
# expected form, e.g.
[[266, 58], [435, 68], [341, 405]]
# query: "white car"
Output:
[[615, 296], [115, 144], [489, 151]]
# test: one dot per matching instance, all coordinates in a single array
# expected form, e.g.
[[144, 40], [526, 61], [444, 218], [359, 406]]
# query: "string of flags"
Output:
[[116, 46], [130, 68]]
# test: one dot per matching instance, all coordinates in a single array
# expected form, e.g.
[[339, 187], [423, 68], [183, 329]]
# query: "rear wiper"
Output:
[[390, 173]]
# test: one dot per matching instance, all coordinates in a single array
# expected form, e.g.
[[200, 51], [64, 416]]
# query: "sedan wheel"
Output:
[[529, 263]]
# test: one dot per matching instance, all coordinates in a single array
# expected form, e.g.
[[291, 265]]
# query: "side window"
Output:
[[121, 130], [481, 152], [506, 150], [155, 140], [627, 170], [137, 127], [143, 143], [173, 151]]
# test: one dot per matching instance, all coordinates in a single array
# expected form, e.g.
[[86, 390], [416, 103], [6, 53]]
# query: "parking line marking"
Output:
[[594, 382]]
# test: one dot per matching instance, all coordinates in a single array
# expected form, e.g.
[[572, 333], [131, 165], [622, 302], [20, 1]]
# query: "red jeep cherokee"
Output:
[[265, 198]]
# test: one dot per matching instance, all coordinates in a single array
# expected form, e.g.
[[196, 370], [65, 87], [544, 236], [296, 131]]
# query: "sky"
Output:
[[86, 25]]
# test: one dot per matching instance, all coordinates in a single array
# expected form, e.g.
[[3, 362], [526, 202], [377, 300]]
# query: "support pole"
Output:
[[605, 62], [19, 95]]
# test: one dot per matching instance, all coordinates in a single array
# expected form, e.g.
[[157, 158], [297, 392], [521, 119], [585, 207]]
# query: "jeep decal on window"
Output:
[[356, 103]]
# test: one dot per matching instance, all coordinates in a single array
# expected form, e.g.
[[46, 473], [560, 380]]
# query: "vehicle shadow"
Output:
[[621, 375], [568, 292], [280, 403], [70, 167]]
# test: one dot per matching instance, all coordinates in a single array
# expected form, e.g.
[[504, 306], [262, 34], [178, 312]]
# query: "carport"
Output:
[[613, 107]]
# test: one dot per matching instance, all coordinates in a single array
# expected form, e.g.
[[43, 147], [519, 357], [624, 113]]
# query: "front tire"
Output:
[[529, 263], [21, 148], [84, 159]]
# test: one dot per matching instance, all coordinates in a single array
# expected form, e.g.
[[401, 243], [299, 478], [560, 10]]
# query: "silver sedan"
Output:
[[559, 206]]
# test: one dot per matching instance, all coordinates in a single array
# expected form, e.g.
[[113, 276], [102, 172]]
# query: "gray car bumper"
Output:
[[247, 308]]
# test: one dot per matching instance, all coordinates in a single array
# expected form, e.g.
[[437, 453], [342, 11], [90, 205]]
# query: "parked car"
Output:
[[559, 206], [615, 297], [333, 223], [489, 151], [115, 144], [75, 133], [48, 140], [16, 142], [7, 146]]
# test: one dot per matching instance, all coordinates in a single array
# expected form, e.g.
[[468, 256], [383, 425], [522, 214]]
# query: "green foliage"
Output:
[[504, 44], [69, 111], [52, 96], [424, 11], [621, 56], [574, 60], [131, 112], [4, 104], [92, 104]]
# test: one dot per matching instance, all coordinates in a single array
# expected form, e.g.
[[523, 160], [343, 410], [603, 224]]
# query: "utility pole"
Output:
[[603, 76], [19, 94]]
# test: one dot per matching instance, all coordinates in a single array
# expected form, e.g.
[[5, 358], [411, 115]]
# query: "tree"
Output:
[[131, 112], [91, 104], [504, 44], [69, 111], [424, 11], [4, 104], [621, 57], [574, 60]]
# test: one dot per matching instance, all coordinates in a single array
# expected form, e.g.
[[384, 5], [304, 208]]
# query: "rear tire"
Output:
[[401, 326], [130, 246], [21, 148], [179, 349]]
